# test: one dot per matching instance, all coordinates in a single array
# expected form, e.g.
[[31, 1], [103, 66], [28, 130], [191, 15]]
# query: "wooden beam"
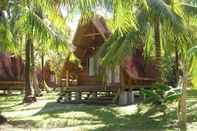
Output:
[[101, 33], [92, 34]]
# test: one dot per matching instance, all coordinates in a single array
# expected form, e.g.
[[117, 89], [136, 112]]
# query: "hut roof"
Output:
[[90, 34]]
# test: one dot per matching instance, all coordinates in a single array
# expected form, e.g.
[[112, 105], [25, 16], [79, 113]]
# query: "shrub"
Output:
[[169, 71], [160, 95]]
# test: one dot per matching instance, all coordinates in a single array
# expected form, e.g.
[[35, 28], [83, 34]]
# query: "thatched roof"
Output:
[[90, 35]]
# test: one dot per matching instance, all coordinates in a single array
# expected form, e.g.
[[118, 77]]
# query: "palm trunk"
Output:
[[176, 63], [44, 85], [37, 91], [183, 111], [42, 67], [157, 48], [29, 98]]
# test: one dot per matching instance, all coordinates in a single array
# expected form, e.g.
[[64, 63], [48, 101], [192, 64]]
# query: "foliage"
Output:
[[169, 71], [3, 4], [39, 20], [194, 74], [161, 95], [127, 38], [5, 33], [193, 52]]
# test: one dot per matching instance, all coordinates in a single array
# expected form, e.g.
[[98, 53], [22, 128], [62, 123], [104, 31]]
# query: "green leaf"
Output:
[[172, 98]]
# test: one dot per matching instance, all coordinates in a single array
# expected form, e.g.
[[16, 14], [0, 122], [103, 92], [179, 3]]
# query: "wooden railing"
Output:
[[12, 85]]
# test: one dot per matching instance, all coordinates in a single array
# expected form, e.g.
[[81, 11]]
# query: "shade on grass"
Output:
[[47, 114]]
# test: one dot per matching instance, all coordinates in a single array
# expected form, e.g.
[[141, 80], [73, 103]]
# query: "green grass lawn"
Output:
[[46, 114]]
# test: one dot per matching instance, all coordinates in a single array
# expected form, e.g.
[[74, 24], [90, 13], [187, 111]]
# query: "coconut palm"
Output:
[[187, 54], [36, 22]]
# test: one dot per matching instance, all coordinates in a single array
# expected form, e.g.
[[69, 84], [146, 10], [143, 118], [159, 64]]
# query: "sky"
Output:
[[75, 19], [73, 22]]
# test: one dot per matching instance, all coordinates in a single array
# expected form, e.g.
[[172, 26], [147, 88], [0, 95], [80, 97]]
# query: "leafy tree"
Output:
[[35, 22], [161, 96]]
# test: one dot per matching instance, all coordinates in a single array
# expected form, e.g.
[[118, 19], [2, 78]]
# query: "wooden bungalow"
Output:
[[88, 38], [12, 69], [129, 76], [12, 73]]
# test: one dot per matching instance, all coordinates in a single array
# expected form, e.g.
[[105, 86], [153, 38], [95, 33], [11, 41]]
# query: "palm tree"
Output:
[[186, 58], [33, 26]]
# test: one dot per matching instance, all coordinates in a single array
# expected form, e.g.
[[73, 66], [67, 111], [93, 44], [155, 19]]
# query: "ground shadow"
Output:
[[111, 119], [22, 123]]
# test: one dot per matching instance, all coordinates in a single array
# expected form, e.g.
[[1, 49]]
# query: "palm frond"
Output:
[[193, 51], [30, 23], [5, 34], [158, 8], [114, 51], [52, 13], [189, 9]]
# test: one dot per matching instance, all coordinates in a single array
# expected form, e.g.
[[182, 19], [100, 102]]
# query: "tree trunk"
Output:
[[44, 84], [37, 91], [42, 68], [3, 120], [29, 98], [157, 48], [176, 63], [183, 106]]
